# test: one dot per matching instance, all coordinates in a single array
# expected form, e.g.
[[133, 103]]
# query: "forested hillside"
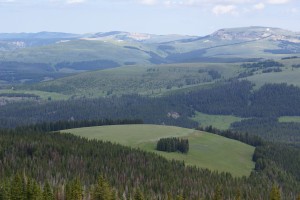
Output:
[[259, 109], [60, 158]]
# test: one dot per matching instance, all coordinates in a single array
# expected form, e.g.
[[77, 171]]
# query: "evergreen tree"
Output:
[[33, 190], [138, 195], [179, 197], [36, 191], [5, 190], [169, 196], [74, 190], [238, 195], [17, 188], [68, 193], [102, 190], [275, 193], [47, 192], [218, 194]]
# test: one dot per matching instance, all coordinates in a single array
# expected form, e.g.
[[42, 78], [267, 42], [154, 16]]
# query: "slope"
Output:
[[153, 80], [206, 150]]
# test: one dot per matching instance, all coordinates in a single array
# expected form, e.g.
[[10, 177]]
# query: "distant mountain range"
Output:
[[22, 40], [230, 34], [67, 52]]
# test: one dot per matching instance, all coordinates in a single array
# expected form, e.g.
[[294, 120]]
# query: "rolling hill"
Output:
[[70, 53], [206, 150], [150, 80], [164, 79]]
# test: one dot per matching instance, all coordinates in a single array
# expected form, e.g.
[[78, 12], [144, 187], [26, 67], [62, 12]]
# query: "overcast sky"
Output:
[[191, 17]]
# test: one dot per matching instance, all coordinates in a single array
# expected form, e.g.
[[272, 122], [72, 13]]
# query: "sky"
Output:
[[188, 17]]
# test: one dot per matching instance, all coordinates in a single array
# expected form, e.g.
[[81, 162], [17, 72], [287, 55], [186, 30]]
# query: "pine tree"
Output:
[[74, 190], [179, 197], [275, 193], [33, 191], [5, 190], [68, 193], [238, 195], [218, 194], [102, 190], [47, 193], [138, 195], [36, 190], [169, 196], [17, 188]]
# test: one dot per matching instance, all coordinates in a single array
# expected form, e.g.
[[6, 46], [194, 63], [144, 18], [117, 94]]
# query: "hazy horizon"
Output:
[[42, 31], [184, 17]]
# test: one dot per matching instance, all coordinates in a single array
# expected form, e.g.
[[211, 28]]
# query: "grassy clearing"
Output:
[[295, 119], [289, 76], [222, 122], [206, 150], [43, 95]]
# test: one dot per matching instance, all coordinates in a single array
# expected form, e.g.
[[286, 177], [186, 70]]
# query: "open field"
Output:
[[222, 122], [295, 119], [42, 94], [289, 76], [206, 150]]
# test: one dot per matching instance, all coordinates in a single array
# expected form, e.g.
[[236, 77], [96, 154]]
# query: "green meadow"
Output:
[[221, 122], [206, 150], [295, 119]]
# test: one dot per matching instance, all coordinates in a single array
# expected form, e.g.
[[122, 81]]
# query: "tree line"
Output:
[[63, 125], [246, 138], [23, 187], [173, 145]]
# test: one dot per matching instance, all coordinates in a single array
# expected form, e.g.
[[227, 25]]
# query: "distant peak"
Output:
[[251, 33]]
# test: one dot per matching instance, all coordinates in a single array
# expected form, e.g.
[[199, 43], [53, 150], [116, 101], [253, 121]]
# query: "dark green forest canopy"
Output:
[[59, 158], [173, 145], [233, 98], [238, 98]]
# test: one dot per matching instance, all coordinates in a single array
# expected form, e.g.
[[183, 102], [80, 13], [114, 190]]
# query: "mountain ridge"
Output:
[[66, 53]]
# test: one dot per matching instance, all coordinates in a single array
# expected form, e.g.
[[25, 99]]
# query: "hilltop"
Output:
[[206, 150]]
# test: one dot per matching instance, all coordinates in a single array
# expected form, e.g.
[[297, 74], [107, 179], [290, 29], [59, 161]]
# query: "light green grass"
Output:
[[43, 95], [288, 76], [76, 51], [206, 150], [295, 119], [222, 122]]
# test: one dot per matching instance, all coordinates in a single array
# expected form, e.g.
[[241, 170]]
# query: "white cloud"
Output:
[[278, 1], [294, 10], [149, 2], [225, 9], [259, 6], [75, 1], [7, 1]]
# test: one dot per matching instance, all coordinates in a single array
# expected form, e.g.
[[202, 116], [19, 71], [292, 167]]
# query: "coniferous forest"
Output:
[[62, 165], [173, 145], [51, 163]]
